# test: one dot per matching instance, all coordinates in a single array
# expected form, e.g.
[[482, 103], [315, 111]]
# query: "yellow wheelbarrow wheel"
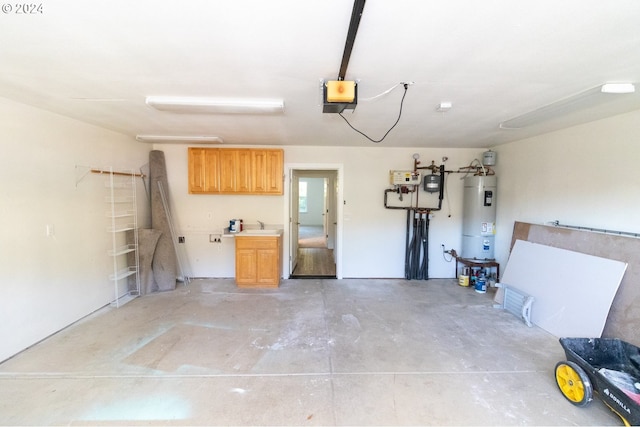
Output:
[[574, 383]]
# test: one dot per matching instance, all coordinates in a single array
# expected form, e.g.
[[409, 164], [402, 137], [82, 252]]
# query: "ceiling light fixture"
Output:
[[618, 88], [590, 98], [443, 107], [201, 105], [180, 138]]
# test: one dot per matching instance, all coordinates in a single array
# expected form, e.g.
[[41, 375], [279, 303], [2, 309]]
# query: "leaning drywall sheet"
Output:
[[624, 315], [573, 291]]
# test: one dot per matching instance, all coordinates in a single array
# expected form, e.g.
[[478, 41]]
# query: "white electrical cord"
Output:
[[384, 93], [484, 172]]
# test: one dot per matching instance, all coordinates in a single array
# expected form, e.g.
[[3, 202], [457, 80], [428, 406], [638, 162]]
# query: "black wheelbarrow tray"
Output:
[[608, 366]]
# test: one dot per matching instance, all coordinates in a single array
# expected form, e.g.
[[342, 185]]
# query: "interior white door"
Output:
[[294, 220], [331, 218], [325, 210]]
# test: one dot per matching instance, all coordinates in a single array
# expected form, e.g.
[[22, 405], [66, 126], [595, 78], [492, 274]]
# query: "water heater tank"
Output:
[[479, 217]]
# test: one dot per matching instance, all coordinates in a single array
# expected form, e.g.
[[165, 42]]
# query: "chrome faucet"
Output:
[[261, 225]]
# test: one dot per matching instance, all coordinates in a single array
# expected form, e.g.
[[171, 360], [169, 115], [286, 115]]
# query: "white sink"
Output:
[[258, 232]]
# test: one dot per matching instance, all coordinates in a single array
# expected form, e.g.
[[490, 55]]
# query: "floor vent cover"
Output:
[[517, 303]]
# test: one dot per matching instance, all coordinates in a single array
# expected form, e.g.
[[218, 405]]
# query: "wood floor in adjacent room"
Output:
[[314, 258], [315, 262], [311, 352]]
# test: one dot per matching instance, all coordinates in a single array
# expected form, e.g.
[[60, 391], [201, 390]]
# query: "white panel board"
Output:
[[573, 291]]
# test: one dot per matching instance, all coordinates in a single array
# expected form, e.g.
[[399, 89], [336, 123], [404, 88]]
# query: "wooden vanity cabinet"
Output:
[[258, 261]]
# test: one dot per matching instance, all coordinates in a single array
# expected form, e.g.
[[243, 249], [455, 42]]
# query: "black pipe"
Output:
[[416, 246], [419, 255], [425, 247], [416, 259], [441, 195], [418, 249], [409, 254], [406, 246]]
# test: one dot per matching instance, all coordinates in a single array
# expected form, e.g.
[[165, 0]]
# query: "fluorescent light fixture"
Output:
[[180, 138], [590, 98], [179, 104], [618, 88]]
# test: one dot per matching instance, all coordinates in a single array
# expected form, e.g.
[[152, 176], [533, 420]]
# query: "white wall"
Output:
[[586, 175], [50, 282], [373, 238]]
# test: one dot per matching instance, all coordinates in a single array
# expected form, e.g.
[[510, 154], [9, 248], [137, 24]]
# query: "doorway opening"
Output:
[[313, 224]]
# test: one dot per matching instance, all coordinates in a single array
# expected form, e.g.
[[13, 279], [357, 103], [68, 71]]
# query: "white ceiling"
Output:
[[493, 60]]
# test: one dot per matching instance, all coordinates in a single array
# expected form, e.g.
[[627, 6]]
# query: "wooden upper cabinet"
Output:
[[235, 171], [204, 171], [268, 171], [243, 172], [212, 171], [228, 160]]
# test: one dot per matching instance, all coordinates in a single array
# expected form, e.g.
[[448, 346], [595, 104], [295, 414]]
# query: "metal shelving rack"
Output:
[[122, 214]]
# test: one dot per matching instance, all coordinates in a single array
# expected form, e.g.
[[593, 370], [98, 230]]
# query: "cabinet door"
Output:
[[228, 161], [203, 170], [196, 170], [258, 171], [274, 173], [235, 171], [211, 170], [243, 171], [267, 267], [268, 170], [246, 266]]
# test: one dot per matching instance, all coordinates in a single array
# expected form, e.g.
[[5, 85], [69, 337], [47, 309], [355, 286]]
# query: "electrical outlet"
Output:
[[180, 239]]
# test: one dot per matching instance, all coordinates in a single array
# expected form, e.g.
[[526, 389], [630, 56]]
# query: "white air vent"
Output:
[[517, 303]]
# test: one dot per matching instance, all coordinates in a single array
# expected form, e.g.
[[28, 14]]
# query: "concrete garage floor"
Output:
[[313, 352]]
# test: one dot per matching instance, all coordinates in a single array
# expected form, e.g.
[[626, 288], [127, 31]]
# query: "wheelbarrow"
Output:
[[608, 366]]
